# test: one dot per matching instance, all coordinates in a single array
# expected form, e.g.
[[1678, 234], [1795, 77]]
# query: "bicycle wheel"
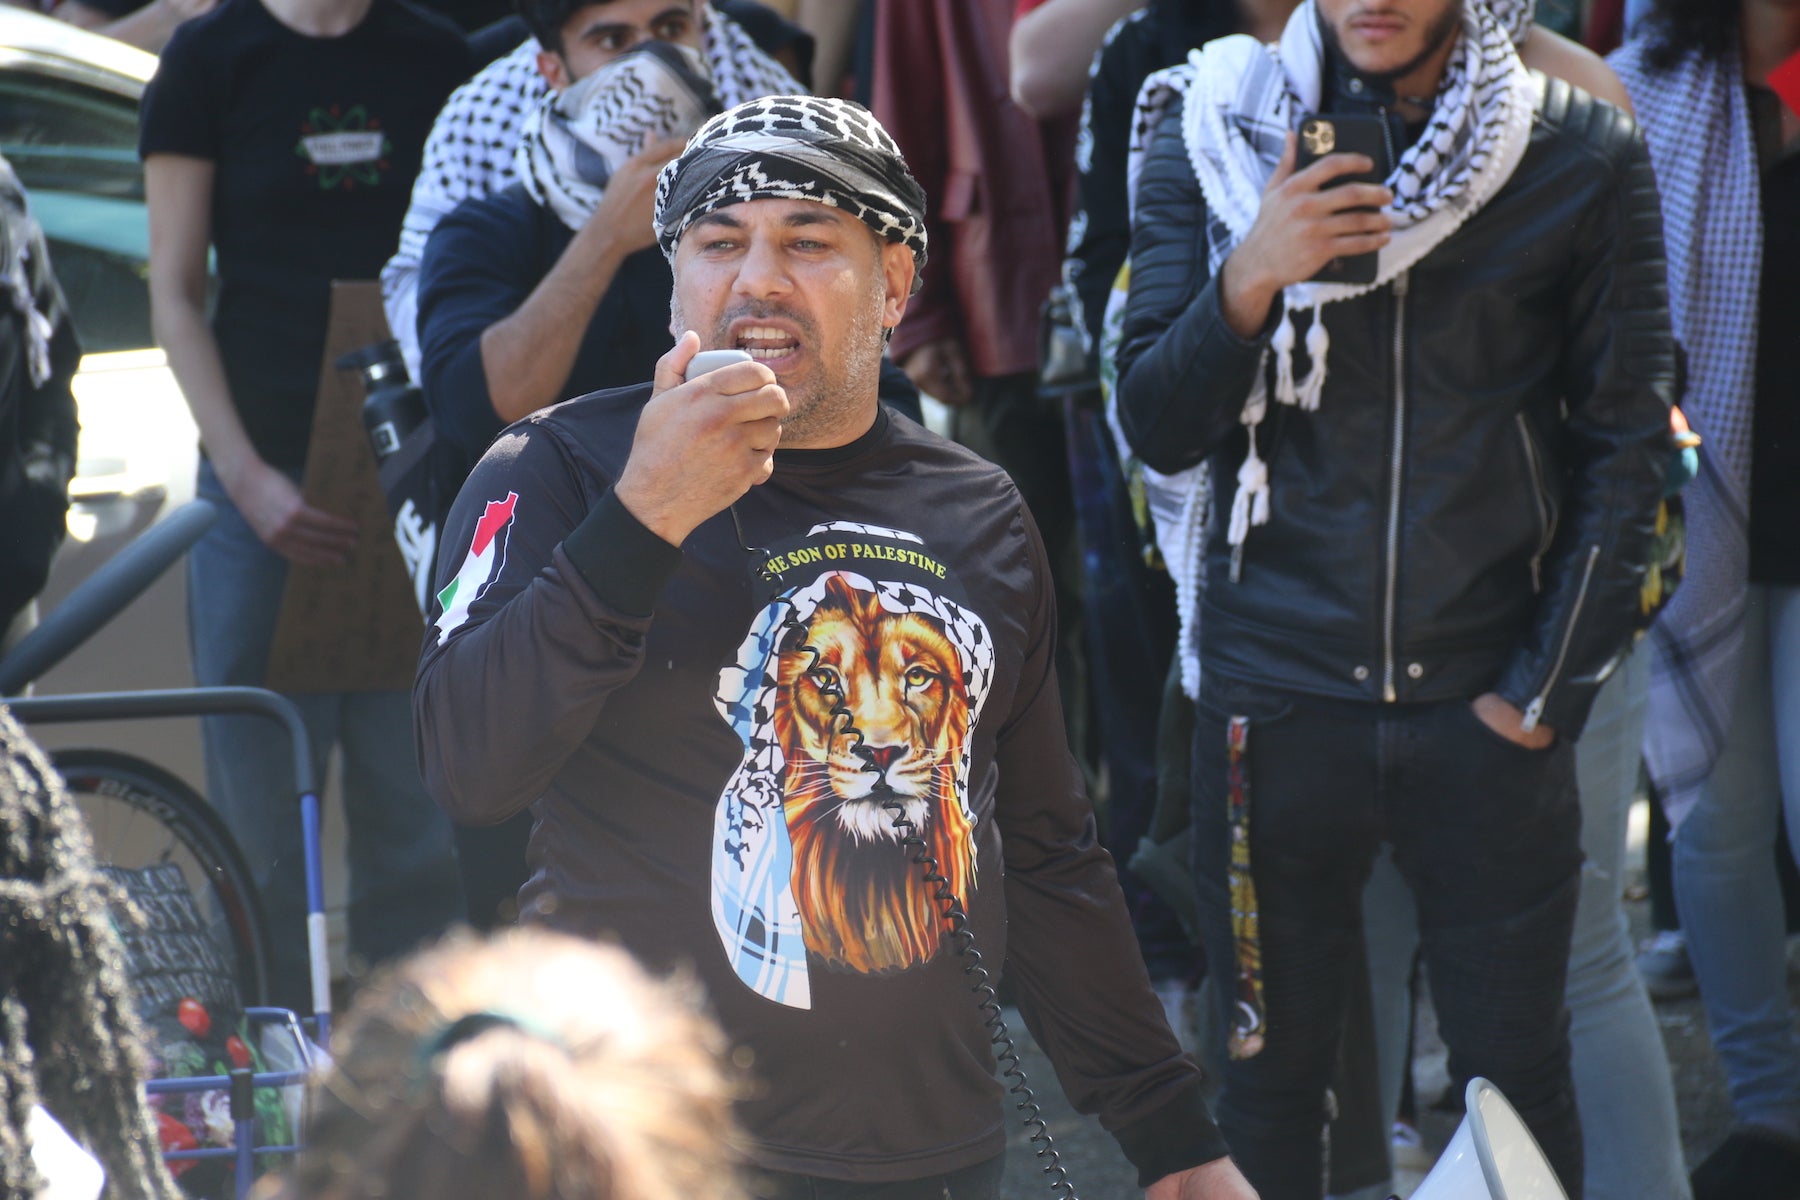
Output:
[[140, 815]]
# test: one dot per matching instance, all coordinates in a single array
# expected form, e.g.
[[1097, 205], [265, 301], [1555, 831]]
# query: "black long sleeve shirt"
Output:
[[665, 714]]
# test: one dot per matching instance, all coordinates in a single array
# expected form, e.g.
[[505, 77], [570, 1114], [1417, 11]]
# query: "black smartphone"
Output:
[[1348, 133]]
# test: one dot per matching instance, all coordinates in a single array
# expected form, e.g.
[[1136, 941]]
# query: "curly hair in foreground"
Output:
[[69, 1040], [535, 1066]]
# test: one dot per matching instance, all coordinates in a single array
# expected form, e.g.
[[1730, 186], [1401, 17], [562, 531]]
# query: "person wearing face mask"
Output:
[[474, 142]]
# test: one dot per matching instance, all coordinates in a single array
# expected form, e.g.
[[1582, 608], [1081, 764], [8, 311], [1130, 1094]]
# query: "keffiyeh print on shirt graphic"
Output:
[[855, 694]]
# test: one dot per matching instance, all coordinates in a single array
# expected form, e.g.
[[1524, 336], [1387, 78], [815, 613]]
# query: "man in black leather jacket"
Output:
[[1406, 644]]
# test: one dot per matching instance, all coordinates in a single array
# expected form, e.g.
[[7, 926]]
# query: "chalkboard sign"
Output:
[[186, 996], [171, 957]]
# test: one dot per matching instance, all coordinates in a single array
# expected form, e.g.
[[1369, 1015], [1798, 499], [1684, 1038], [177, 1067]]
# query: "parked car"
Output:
[[68, 125]]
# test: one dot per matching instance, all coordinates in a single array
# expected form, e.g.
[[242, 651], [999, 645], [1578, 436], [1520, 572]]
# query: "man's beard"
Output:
[[1448, 24], [836, 383]]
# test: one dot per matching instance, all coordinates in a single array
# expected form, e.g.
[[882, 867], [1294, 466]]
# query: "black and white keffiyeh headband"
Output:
[[794, 148], [575, 141]]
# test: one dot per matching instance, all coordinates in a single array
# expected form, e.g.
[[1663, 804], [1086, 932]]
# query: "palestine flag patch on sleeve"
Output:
[[487, 555]]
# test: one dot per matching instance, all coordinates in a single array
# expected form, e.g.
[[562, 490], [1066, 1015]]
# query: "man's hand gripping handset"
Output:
[[706, 437]]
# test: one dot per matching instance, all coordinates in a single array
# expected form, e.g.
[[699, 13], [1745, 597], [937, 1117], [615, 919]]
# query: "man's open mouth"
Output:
[[765, 342]]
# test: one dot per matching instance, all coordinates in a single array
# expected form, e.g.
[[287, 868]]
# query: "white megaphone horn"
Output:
[[1492, 1157]]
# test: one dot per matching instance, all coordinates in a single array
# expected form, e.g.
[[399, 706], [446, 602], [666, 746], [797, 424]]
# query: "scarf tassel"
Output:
[[1318, 345], [1283, 346], [1305, 393], [1251, 504]]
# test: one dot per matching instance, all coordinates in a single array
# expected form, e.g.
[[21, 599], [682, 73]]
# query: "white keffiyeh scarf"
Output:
[[1239, 99], [572, 145], [1696, 121]]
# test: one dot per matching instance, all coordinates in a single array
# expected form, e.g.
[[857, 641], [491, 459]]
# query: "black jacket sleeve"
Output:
[[1082, 986], [1183, 373], [1620, 380]]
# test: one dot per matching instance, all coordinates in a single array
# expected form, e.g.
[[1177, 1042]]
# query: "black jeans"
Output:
[[979, 1182], [1487, 834]]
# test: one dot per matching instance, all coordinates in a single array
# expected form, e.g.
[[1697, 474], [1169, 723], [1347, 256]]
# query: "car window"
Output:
[[74, 147]]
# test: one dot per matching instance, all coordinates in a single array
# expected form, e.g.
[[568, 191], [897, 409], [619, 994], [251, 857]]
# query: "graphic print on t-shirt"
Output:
[[856, 695], [343, 149], [481, 566]]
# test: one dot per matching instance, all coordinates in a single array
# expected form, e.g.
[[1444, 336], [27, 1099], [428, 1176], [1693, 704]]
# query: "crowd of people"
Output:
[[1371, 462]]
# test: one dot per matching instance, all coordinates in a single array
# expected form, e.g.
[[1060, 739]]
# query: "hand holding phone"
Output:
[[1351, 133], [1307, 220]]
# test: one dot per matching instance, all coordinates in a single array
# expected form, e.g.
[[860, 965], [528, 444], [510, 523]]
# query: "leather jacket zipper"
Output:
[[1534, 712], [1541, 494], [1389, 692]]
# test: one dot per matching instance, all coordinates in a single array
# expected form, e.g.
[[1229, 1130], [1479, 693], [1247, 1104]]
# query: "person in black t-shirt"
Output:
[[285, 134]]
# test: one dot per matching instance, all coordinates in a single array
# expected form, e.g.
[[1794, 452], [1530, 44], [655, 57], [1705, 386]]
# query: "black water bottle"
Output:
[[393, 406]]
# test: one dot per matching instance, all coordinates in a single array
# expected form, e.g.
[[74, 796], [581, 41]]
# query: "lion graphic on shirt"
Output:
[[864, 903]]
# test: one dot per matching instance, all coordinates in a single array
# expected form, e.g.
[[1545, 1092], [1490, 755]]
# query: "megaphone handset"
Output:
[[704, 363]]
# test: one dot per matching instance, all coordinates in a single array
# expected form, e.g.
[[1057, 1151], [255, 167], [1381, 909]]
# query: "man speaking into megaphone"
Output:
[[773, 670]]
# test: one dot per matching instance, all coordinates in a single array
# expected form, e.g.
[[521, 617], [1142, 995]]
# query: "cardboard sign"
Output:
[[351, 628]]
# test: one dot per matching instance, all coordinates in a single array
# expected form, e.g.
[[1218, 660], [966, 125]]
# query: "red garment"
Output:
[[997, 180], [1606, 26]]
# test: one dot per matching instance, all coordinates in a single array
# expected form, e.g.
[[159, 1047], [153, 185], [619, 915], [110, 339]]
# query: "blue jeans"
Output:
[[1631, 1132], [1725, 880], [1486, 835], [1622, 1080], [403, 879]]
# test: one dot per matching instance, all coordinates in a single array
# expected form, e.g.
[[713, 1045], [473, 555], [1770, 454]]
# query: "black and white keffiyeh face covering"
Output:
[[830, 151], [473, 147], [575, 141]]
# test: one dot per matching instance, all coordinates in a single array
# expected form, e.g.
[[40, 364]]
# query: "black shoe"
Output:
[[1751, 1164]]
